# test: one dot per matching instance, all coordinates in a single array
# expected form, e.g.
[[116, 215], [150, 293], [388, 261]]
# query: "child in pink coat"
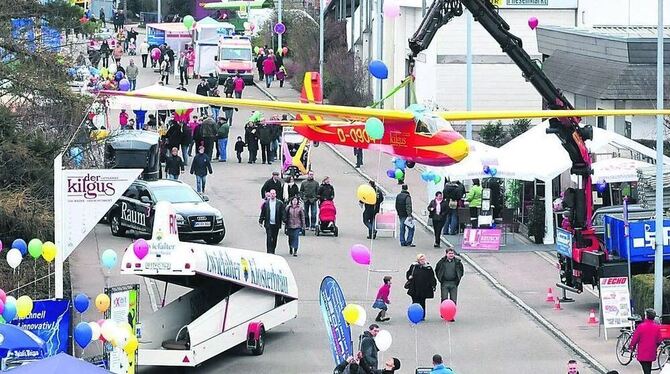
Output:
[[382, 300]]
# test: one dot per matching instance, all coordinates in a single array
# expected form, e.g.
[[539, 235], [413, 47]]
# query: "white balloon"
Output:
[[108, 329], [95, 328], [14, 258], [10, 300], [121, 338], [112, 68], [362, 316], [383, 340]]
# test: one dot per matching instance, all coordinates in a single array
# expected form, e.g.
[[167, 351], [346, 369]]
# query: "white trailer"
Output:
[[236, 296]]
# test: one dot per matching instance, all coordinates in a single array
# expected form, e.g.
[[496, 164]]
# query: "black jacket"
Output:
[[201, 165], [239, 147], [440, 271], [371, 209], [369, 349], [187, 135], [326, 192], [265, 134], [423, 283], [202, 89], [293, 190], [453, 191], [403, 204], [271, 184], [264, 218], [174, 165], [174, 135], [444, 206]]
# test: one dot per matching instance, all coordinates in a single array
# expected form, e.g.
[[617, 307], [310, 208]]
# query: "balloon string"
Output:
[[35, 282], [451, 357], [379, 167], [416, 345]]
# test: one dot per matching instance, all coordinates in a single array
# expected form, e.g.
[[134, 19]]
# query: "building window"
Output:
[[601, 121], [627, 132]]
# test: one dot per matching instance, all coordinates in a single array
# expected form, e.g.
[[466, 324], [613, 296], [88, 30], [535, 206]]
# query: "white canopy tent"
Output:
[[139, 103], [617, 169], [538, 155]]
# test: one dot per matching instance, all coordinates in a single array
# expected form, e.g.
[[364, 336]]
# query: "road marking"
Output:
[[528, 309], [552, 261]]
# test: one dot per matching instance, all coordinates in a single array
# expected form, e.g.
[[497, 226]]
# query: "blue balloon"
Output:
[[108, 258], [21, 245], [118, 76], [493, 171], [9, 313], [601, 187], [81, 302], [400, 164], [83, 334], [415, 313], [486, 169], [425, 176], [378, 69]]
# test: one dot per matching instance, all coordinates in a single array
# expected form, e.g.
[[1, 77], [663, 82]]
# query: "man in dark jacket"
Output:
[[203, 90], [200, 167], [273, 183], [251, 140], [403, 206], [453, 193], [437, 212], [371, 210], [259, 66], [208, 127], [186, 139], [174, 135], [309, 191], [326, 190], [265, 137], [174, 165], [369, 347], [222, 138], [271, 217], [449, 271]]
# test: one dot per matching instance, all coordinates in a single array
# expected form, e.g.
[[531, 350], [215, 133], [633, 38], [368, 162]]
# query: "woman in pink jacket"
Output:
[[647, 338], [269, 69]]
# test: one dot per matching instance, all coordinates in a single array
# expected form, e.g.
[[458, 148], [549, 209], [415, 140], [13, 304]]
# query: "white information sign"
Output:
[[615, 302]]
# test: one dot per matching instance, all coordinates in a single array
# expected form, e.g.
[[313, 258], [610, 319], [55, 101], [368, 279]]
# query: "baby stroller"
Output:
[[327, 213]]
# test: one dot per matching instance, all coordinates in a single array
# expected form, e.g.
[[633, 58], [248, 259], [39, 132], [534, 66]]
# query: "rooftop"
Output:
[[622, 33]]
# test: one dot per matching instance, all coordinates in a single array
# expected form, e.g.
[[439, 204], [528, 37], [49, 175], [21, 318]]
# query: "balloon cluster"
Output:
[[355, 314], [490, 170], [119, 335], [10, 307], [398, 172], [416, 314], [429, 176], [108, 79], [35, 248]]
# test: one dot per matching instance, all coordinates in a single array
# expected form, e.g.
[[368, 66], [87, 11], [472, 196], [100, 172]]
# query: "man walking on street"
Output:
[[144, 52], [222, 138], [449, 271], [369, 347], [371, 210], [174, 165], [183, 68], [403, 206], [273, 183], [271, 217], [202, 90], [309, 191], [132, 71]]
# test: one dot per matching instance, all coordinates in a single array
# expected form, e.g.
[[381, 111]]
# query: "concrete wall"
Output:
[[620, 12]]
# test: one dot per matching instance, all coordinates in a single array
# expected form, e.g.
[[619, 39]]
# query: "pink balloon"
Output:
[[0, 245], [155, 53], [391, 9], [360, 254], [141, 248], [448, 310], [2, 306], [533, 22], [3, 296]]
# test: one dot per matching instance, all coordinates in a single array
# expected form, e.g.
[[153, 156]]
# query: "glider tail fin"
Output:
[[311, 88]]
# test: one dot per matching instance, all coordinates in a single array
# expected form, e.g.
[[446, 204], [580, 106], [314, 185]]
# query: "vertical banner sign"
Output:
[[615, 302], [88, 195], [123, 308], [331, 300], [564, 242], [49, 320]]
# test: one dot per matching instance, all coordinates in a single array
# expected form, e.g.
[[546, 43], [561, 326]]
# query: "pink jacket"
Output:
[[384, 292], [193, 125], [269, 67], [646, 338]]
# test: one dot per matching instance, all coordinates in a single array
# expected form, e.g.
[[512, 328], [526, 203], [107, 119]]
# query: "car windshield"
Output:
[[431, 124], [243, 54], [177, 194]]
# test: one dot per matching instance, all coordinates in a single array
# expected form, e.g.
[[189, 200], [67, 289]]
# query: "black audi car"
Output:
[[196, 219]]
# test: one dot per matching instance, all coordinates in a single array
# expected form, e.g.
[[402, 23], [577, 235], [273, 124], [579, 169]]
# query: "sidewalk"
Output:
[[533, 266]]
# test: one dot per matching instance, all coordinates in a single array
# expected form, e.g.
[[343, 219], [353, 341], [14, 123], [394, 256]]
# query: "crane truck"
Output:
[[589, 260]]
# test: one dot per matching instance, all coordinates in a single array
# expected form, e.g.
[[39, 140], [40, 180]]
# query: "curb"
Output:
[[494, 282]]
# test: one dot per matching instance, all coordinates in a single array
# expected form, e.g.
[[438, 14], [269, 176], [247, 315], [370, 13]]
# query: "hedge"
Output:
[[643, 293]]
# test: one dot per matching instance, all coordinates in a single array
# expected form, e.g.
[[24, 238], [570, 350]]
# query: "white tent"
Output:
[[617, 169], [472, 166], [139, 103]]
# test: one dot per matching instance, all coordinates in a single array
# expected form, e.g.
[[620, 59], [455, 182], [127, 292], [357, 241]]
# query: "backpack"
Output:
[[229, 84]]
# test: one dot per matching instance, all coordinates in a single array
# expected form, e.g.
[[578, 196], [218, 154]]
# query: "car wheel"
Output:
[[216, 238], [260, 345], [115, 224], [335, 231]]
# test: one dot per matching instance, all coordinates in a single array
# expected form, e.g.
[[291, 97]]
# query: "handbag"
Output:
[[453, 204], [409, 281]]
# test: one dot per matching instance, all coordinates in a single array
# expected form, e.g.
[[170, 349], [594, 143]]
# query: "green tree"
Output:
[[493, 134], [518, 127]]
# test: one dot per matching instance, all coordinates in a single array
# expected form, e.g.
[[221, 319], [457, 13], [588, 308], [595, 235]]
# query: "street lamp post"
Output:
[[379, 26], [158, 11], [279, 18], [658, 258], [322, 5]]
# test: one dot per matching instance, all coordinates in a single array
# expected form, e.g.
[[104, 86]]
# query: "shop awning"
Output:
[[617, 169]]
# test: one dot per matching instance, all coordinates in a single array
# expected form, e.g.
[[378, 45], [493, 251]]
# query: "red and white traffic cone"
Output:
[[550, 296], [557, 304], [592, 318]]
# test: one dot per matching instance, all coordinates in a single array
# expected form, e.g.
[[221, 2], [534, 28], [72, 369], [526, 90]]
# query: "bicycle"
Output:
[[624, 355]]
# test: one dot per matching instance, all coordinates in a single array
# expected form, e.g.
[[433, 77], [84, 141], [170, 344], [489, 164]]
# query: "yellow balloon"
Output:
[[48, 251], [24, 305], [126, 327], [131, 346], [351, 313], [102, 303], [366, 194]]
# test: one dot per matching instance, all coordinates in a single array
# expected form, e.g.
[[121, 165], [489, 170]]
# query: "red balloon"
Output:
[[448, 310]]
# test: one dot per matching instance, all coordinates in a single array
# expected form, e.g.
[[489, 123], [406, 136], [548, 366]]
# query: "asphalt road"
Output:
[[491, 335]]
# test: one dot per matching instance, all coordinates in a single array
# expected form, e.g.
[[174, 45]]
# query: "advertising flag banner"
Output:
[[88, 194], [331, 300], [49, 320]]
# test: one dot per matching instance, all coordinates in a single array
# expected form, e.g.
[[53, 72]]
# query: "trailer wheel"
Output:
[[115, 224], [260, 344]]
